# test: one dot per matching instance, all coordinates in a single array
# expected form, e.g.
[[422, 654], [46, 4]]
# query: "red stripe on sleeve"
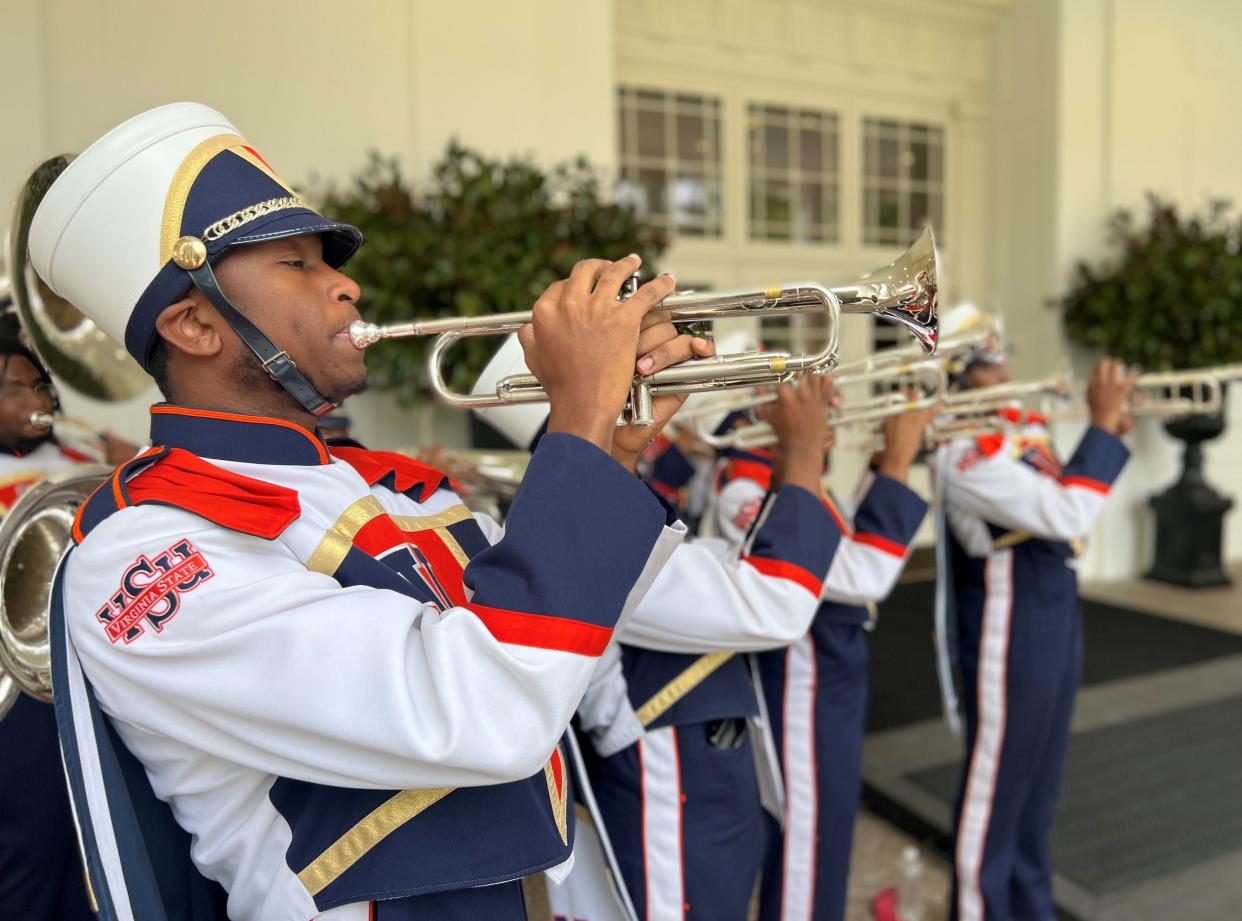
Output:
[[668, 492], [891, 547], [542, 631], [1086, 482], [783, 569]]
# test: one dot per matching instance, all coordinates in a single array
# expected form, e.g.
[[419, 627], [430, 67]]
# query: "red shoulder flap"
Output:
[[990, 443], [394, 471], [236, 502], [743, 469]]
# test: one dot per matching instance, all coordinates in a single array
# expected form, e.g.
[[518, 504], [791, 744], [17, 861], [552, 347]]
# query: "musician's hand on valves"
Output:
[[903, 439], [799, 419], [582, 345], [1108, 393], [660, 345]]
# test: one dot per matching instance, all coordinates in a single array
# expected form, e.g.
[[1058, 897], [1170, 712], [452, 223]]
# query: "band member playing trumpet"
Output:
[[816, 688], [349, 690], [670, 761], [1014, 515], [29, 449], [41, 875]]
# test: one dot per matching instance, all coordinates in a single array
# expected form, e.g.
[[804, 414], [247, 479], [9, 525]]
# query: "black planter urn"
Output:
[[1190, 514]]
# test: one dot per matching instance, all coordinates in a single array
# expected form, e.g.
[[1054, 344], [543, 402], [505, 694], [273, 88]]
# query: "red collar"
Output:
[[395, 471]]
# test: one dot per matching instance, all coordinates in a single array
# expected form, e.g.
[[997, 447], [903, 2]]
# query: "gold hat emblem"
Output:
[[189, 253]]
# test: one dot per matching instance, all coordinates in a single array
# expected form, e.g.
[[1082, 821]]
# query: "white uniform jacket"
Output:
[[999, 492], [228, 609], [19, 470], [867, 562]]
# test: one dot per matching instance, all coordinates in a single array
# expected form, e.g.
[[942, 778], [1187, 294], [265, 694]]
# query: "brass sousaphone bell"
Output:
[[37, 530]]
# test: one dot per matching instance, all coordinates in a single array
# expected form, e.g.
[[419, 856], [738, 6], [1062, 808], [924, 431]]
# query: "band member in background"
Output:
[[671, 762], [681, 802], [1014, 515], [29, 452], [349, 690], [816, 689], [41, 872]]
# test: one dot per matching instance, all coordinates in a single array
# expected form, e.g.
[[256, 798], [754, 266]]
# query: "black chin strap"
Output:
[[275, 362]]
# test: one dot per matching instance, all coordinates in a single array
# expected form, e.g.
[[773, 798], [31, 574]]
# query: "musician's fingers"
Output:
[[670, 352]]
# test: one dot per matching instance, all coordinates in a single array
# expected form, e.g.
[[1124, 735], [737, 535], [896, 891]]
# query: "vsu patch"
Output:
[[747, 514], [151, 589]]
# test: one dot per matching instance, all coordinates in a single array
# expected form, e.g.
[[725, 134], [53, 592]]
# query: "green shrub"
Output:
[[480, 236], [1171, 297]]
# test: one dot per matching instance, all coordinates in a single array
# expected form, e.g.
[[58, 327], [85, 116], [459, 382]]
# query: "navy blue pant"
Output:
[[1021, 655], [41, 873], [685, 822], [816, 692]]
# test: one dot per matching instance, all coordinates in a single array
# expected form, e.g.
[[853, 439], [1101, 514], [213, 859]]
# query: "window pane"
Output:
[[650, 133], [792, 162], [776, 201], [811, 151], [871, 213], [651, 183], [691, 142], [903, 176], [918, 158], [890, 209], [888, 163], [757, 211], [776, 147], [690, 196], [920, 212], [670, 158], [812, 205]]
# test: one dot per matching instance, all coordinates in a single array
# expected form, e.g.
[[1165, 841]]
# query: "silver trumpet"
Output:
[[927, 376], [1164, 394], [904, 292], [904, 368]]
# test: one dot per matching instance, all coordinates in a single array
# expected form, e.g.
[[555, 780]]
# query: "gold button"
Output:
[[189, 252]]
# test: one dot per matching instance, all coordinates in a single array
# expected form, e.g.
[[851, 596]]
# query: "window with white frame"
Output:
[[670, 159], [903, 180], [794, 182]]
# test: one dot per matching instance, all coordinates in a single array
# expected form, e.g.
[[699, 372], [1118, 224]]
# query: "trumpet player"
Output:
[[29, 448], [816, 689], [348, 689], [1013, 517], [40, 870], [668, 718]]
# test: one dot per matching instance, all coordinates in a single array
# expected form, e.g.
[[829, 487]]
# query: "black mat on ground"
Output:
[[1143, 798], [1118, 643]]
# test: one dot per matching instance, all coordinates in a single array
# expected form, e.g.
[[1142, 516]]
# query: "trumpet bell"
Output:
[[905, 292], [70, 345], [33, 538]]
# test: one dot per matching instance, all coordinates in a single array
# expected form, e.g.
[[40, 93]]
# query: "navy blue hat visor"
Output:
[[340, 242]]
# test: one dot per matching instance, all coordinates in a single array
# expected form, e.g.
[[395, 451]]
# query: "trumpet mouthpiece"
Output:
[[362, 334], [41, 421]]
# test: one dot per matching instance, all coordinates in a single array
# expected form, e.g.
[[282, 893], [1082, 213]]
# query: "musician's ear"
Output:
[[191, 326]]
